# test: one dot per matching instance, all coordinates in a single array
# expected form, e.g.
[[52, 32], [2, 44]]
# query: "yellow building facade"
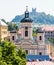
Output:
[[51, 50], [4, 33]]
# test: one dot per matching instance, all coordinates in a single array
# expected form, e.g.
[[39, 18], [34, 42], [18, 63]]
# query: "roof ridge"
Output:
[[2, 23]]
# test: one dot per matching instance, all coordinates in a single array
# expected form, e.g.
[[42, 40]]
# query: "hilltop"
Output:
[[38, 17]]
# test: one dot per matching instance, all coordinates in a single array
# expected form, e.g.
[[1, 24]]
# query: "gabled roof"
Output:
[[2, 23]]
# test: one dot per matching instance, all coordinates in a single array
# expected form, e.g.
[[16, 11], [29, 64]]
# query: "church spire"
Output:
[[26, 8], [26, 12]]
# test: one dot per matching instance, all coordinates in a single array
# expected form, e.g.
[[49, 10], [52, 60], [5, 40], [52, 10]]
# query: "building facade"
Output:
[[24, 39], [13, 36], [4, 33], [49, 31], [26, 43]]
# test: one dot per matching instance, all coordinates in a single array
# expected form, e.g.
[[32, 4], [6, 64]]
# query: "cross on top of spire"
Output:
[[26, 8], [27, 18]]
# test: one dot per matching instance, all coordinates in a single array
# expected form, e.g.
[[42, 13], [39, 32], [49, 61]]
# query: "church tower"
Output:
[[40, 36], [26, 26], [41, 42]]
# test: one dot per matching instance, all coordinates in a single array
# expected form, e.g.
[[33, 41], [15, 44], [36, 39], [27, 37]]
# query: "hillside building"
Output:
[[49, 31], [4, 33]]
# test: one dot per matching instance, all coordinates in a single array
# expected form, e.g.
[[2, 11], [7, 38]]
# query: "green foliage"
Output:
[[3, 20], [10, 55], [23, 62], [51, 40], [12, 26], [3, 63], [34, 32], [22, 53]]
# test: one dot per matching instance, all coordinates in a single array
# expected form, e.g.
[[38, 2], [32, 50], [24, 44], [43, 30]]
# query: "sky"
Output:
[[10, 8]]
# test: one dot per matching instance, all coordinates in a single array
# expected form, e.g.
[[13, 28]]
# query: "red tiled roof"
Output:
[[48, 28]]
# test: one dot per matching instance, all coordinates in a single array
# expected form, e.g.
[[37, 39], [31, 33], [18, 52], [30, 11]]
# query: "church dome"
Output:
[[26, 18]]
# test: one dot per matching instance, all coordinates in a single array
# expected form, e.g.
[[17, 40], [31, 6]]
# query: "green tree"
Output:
[[10, 55], [3, 63], [12, 26], [51, 40], [3, 20], [23, 62], [22, 54], [34, 32]]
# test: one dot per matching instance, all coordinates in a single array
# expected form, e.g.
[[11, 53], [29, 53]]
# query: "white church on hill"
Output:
[[39, 47]]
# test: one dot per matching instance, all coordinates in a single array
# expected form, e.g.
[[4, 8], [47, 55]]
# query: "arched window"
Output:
[[26, 33], [40, 38], [12, 37]]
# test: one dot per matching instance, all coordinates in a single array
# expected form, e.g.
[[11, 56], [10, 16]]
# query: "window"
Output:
[[26, 33], [40, 38], [4, 27], [26, 51], [40, 53], [26, 27], [26, 15], [12, 37]]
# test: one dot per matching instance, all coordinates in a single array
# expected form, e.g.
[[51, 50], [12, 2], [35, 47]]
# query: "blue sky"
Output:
[[10, 8]]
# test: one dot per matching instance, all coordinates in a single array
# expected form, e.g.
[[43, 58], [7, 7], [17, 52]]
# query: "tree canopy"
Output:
[[51, 40], [4, 21], [10, 55], [12, 26], [34, 32]]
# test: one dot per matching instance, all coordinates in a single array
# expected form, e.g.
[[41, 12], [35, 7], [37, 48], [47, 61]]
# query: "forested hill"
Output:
[[38, 17]]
